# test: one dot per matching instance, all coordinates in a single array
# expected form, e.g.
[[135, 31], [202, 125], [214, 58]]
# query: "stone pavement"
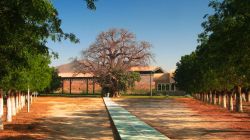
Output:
[[128, 126]]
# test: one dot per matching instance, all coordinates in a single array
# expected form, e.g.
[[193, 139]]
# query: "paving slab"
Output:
[[128, 126]]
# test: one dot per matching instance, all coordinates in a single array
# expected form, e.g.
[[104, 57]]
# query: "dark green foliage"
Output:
[[222, 59], [126, 79], [121, 79], [25, 26], [55, 82], [91, 4]]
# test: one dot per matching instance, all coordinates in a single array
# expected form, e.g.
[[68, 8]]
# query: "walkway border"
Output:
[[126, 126]]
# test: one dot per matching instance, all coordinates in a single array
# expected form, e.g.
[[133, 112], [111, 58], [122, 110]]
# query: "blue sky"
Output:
[[171, 26]]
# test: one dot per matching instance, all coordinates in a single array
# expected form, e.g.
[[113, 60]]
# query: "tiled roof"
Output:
[[163, 77], [70, 74], [67, 70], [145, 68]]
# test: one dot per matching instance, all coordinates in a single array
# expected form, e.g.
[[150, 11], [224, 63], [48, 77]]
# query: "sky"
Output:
[[171, 26]]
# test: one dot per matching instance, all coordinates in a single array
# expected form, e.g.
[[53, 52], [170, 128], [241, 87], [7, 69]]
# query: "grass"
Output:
[[135, 96], [151, 97]]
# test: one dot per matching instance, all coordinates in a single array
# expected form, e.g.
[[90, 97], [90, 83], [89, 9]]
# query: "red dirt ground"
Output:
[[186, 118], [86, 118], [60, 118]]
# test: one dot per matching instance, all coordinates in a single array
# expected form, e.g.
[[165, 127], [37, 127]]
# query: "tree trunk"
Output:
[[23, 98], [13, 105], [1, 109], [219, 98], [207, 97], [224, 99], [1, 123], [16, 102], [230, 101], [210, 97], [116, 94], [9, 113], [214, 98], [1, 103], [28, 99], [105, 90], [238, 107], [243, 96], [202, 97], [194, 95], [19, 100], [113, 92], [31, 98], [248, 96]]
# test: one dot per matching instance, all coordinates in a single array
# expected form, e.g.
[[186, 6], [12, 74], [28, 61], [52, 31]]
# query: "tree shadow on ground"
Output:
[[185, 120], [61, 118], [80, 125], [21, 137]]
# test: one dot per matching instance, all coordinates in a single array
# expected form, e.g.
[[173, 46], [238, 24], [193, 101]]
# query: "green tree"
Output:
[[55, 82], [222, 56], [25, 26]]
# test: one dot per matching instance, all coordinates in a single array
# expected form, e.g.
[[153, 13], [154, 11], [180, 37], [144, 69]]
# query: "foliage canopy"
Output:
[[221, 60]]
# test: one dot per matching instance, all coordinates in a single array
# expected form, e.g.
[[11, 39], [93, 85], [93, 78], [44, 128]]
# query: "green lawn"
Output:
[[136, 96], [151, 97]]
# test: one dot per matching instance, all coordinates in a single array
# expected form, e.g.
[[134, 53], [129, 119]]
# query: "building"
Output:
[[165, 82], [76, 83], [152, 79]]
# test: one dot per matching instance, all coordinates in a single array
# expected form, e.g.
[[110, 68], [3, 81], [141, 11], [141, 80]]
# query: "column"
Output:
[[87, 86], [70, 85], [62, 85], [150, 84], [93, 85]]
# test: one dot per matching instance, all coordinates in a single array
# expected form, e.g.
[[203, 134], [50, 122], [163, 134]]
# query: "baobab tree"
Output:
[[111, 56]]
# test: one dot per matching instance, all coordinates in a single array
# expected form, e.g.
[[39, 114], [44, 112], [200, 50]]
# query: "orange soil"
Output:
[[60, 118], [186, 118]]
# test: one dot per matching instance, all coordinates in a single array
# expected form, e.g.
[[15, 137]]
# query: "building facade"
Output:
[[153, 79]]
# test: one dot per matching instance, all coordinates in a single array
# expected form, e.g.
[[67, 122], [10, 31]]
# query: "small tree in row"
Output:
[[25, 26], [219, 67]]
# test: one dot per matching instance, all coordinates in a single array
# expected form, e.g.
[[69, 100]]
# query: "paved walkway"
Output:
[[129, 127]]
